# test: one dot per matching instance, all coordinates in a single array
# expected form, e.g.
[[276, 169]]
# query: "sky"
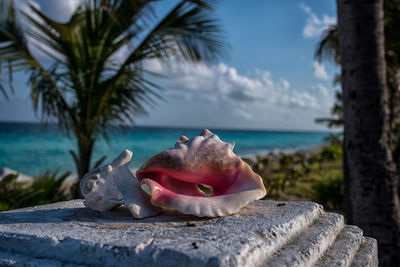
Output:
[[269, 79]]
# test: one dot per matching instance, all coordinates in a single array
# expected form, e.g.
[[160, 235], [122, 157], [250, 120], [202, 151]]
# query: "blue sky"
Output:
[[270, 79]]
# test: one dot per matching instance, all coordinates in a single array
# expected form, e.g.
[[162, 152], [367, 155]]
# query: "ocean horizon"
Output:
[[33, 148]]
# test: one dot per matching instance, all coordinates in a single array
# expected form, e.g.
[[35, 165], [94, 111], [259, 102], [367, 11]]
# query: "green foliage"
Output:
[[261, 163], [293, 166], [281, 170], [329, 192], [43, 190], [331, 153], [335, 139], [304, 176]]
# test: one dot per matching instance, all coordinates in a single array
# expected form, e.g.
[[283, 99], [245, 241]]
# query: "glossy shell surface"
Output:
[[173, 178]]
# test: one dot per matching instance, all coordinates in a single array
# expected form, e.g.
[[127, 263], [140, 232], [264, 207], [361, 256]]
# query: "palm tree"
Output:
[[84, 86], [328, 49], [370, 180]]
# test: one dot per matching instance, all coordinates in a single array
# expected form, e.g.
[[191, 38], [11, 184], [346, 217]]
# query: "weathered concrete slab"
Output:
[[264, 233], [367, 255], [301, 251], [345, 247]]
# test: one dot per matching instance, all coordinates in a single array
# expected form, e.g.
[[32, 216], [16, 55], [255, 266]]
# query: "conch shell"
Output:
[[172, 178], [113, 185]]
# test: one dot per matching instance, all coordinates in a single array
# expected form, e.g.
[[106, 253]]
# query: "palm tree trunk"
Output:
[[85, 146], [370, 179], [394, 83]]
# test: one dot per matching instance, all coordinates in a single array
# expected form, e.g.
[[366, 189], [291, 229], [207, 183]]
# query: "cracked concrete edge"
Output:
[[344, 248], [309, 246], [367, 255]]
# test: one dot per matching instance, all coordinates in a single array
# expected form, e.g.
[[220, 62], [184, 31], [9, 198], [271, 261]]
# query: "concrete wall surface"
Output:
[[265, 233]]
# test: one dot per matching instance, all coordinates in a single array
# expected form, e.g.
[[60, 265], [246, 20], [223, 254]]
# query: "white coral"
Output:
[[113, 185]]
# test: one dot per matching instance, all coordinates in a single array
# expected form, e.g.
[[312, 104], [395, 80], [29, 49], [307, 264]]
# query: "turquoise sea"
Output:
[[33, 148]]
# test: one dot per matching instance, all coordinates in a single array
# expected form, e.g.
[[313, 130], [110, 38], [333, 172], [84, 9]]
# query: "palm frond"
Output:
[[14, 50], [188, 30], [328, 46], [330, 122], [336, 111]]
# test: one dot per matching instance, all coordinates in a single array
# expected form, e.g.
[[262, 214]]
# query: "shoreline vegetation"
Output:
[[305, 174], [313, 174]]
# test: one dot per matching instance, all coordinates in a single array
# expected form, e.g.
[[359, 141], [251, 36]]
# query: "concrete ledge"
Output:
[[368, 253], [266, 233], [346, 245]]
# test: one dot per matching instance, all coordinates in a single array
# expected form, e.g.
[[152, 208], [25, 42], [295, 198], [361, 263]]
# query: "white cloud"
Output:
[[320, 71], [322, 90], [315, 25], [223, 84], [72, 4], [219, 95], [60, 10], [23, 7]]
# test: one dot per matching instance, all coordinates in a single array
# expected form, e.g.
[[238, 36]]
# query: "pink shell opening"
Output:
[[171, 178]]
